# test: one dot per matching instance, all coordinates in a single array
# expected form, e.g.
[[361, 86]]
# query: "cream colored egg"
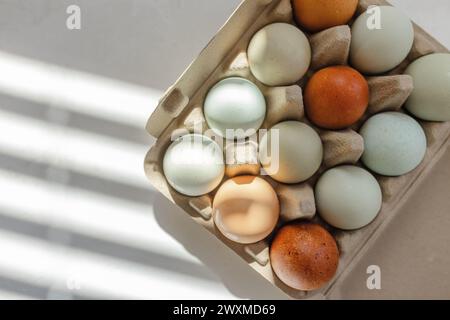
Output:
[[279, 54], [291, 152], [430, 99], [234, 108], [381, 40], [348, 197], [394, 143], [246, 209], [193, 165]]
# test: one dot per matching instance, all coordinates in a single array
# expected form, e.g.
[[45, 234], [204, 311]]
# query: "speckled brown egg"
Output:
[[304, 255]]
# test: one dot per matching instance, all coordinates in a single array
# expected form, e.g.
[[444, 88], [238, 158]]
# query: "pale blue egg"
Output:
[[394, 143]]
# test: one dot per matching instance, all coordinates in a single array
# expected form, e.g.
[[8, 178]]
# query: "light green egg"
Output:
[[381, 40], [348, 197], [430, 98]]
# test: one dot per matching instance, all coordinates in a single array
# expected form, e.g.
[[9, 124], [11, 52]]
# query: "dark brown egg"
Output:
[[304, 255]]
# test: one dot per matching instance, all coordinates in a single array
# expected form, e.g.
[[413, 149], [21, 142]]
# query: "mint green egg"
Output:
[[430, 98]]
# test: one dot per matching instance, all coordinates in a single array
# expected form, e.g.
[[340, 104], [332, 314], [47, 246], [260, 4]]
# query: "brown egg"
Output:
[[317, 15], [304, 255], [336, 97], [246, 209]]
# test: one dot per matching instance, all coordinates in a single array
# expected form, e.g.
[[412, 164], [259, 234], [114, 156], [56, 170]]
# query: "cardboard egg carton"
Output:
[[180, 111]]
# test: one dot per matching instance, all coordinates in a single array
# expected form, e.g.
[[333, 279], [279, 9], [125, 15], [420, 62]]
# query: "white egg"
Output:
[[348, 197], [381, 40], [193, 164], [394, 143], [237, 105], [430, 98], [279, 54], [291, 152]]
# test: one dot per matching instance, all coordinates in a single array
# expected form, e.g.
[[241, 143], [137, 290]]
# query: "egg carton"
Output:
[[180, 111]]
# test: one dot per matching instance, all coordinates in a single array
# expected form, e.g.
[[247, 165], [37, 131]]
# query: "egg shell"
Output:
[[336, 97], [246, 209], [279, 54], [291, 152], [394, 143], [379, 48], [430, 98], [193, 165], [348, 197], [304, 255], [317, 15], [236, 104]]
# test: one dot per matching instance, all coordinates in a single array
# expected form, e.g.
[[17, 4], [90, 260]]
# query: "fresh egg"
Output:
[[348, 197], [291, 152], [193, 164], [235, 104], [336, 97], [279, 54], [394, 143], [304, 255], [317, 15], [430, 98], [246, 209], [381, 40]]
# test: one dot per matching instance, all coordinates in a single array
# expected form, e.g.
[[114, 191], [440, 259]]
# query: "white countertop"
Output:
[[77, 216]]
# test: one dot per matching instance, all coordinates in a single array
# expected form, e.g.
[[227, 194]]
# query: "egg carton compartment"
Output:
[[180, 112]]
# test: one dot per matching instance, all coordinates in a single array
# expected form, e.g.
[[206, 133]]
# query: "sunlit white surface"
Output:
[[72, 149], [7, 295], [43, 264], [74, 90], [82, 211]]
